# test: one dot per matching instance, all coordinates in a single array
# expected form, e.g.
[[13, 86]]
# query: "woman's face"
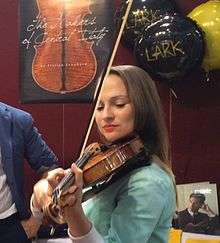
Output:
[[115, 113]]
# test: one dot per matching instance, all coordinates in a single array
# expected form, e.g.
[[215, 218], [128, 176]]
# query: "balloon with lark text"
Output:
[[142, 14], [207, 16], [170, 48]]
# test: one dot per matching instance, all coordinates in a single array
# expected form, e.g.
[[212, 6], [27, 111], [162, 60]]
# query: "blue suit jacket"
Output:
[[20, 140]]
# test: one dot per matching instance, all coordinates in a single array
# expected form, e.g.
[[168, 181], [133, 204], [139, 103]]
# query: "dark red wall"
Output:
[[193, 118]]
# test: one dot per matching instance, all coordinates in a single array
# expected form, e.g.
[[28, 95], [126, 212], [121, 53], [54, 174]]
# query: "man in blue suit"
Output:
[[19, 140]]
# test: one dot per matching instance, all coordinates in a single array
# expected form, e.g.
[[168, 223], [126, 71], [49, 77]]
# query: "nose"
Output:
[[108, 113]]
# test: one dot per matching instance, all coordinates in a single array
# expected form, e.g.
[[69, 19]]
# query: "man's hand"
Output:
[[31, 226], [208, 210]]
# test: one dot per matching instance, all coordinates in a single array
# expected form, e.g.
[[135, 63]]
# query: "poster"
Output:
[[65, 47]]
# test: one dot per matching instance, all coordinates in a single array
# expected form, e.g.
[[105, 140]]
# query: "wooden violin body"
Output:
[[64, 60], [102, 165]]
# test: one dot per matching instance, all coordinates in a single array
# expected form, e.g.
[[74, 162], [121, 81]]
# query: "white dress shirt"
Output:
[[7, 207]]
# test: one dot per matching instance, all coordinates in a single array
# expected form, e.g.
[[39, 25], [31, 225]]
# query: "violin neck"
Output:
[[69, 178]]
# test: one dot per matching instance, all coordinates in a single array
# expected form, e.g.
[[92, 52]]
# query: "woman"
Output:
[[139, 206]]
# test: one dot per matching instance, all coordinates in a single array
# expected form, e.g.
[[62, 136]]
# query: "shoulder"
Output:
[[150, 175], [16, 115], [148, 190], [149, 181], [183, 212]]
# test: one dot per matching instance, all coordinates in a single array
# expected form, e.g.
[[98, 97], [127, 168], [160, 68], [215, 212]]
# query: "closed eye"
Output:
[[120, 105], [100, 108]]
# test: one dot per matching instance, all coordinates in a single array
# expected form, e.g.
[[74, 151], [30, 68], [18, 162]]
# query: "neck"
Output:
[[122, 140]]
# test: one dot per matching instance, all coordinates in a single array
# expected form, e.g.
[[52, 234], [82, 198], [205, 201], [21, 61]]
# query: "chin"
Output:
[[111, 139]]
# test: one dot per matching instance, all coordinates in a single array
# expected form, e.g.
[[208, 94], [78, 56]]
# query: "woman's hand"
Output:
[[43, 188], [71, 199], [71, 206], [55, 176]]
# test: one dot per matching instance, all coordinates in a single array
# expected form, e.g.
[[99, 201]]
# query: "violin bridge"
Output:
[[121, 156], [110, 165]]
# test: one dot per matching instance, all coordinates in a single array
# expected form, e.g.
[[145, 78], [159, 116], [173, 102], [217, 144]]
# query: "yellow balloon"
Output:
[[207, 16]]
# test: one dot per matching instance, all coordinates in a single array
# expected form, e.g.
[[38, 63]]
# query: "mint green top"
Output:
[[136, 209]]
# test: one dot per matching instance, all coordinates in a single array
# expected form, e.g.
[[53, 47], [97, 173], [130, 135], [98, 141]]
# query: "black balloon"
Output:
[[142, 14], [170, 48]]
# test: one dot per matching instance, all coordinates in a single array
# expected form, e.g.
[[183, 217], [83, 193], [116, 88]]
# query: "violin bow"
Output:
[[98, 89], [84, 157]]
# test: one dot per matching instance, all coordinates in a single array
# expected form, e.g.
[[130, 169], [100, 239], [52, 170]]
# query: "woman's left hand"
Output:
[[43, 188], [71, 199], [71, 206]]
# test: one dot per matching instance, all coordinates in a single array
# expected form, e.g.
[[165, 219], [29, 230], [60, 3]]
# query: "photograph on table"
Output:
[[197, 210]]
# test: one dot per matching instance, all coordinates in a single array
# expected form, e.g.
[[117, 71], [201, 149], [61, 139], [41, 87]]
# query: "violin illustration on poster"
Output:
[[65, 47]]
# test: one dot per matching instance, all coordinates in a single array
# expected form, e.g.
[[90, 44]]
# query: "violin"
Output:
[[97, 166]]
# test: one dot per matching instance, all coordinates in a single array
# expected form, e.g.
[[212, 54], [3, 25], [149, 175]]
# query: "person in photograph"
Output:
[[194, 221]]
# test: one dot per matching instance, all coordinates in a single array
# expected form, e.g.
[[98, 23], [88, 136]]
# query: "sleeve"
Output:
[[92, 237], [137, 213], [40, 157]]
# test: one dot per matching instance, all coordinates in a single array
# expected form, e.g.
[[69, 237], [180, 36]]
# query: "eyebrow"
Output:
[[117, 97]]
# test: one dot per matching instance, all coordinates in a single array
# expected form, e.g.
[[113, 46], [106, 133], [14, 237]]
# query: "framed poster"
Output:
[[65, 47]]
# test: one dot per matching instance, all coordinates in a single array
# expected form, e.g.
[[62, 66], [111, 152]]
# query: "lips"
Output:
[[109, 128]]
